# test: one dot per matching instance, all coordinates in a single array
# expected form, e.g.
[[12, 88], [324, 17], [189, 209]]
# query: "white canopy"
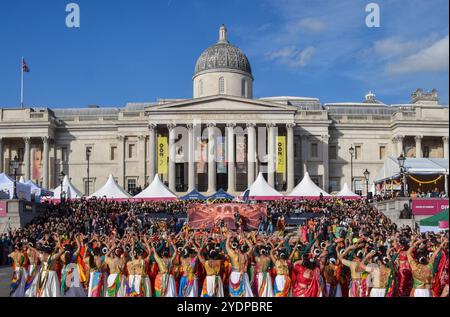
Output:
[[35, 189], [111, 190], [261, 190], [346, 192], [7, 185], [424, 166], [69, 190], [156, 191], [307, 188]]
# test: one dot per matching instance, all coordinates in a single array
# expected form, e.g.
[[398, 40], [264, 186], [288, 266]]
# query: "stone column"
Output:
[[142, 159], [418, 139], [45, 162], [445, 141], [151, 152], [251, 153], [1, 155], [231, 163], [394, 147], [290, 157], [172, 155], [400, 145], [121, 148], [211, 158], [55, 165], [325, 139], [271, 150], [191, 157], [27, 141], [304, 154]]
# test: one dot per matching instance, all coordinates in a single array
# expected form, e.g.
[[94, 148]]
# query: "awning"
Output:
[[193, 195], [221, 194]]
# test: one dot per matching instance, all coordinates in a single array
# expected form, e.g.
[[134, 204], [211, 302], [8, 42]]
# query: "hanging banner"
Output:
[[221, 155], [36, 164], [281, 154], [241, 154], [163, 155], [201, 155]]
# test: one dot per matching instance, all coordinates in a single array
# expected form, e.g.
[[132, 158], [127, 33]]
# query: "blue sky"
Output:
[[138, 50]]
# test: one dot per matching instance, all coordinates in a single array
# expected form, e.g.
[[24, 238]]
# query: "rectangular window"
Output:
[[297, 147], [113, 153], [131, 150], [314, 150], [88, 187], [382, 152], [131, 184], [334, 184], [333, 152], [20, 155], [426, 151], [64, 154], [358, 153], [316, 180], [358, 185]]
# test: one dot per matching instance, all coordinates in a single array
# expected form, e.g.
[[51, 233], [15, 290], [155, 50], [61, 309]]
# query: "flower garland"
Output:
[[434, 181]]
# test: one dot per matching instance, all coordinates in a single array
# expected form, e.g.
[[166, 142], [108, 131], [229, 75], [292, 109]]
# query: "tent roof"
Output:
[[71, 191], [221, 194], [433, 221], [391, 168], [346, 192], [156, 191], [307, 188], [111, 190], [36, 189], [193, 195], [260, 189], [7, 185]]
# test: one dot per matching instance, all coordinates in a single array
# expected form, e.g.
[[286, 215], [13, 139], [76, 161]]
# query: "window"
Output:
[[358, 185], [316, 180], [334, 184], [426, 151], [244, 88], [20, 155], [382, 152], [297, 147], [221, 85], [314, 150], [333, 152], [113, 153], [64, 154], [358, 153], [131, 185], [200, 87], [88, 187], [131, 150]]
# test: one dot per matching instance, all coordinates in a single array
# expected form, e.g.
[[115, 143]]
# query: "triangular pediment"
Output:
[[220, 104]]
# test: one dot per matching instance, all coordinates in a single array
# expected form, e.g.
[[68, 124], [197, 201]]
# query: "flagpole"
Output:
[[21, 84]]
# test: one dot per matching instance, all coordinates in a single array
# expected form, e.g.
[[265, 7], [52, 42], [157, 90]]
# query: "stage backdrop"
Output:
[[207, 215]]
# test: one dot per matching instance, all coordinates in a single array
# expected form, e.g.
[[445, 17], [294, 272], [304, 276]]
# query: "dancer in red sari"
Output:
[[307, 278], [405, 278]]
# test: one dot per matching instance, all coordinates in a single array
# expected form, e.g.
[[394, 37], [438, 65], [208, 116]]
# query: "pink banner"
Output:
[[429, 207], [3, 212]]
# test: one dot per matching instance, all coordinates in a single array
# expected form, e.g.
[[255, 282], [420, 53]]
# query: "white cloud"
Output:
[[433, 58], [394, 47], [309, 24], [292, 57]]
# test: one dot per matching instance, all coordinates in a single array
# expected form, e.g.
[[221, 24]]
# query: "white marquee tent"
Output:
[[7, 185], [156, 191], [69, 190], [307, 188], [111, 190], [261, 190], [35, 189], [347, 193]]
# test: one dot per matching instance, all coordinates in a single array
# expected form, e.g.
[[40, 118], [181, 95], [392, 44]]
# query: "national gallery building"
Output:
[[222, 137]]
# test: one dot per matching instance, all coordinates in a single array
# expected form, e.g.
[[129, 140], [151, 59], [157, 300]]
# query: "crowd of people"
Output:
[[95, 248]]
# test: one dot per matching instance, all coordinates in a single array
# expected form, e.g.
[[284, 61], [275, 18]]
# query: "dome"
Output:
[[223, 56]]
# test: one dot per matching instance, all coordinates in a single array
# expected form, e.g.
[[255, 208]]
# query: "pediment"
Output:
[[221, 104]]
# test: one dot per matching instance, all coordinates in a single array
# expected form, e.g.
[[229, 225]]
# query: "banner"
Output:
[[221, 155], [3, 211], [205, 216], [281, 154], [163, 155], [241, 155], [428, 207], [36, 164], [201, 155]]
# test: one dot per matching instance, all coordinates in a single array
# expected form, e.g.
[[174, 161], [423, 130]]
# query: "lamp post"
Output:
[[61, 180], [351, 150], [88, 155], [15, 166], [366, 177], [401, 162]]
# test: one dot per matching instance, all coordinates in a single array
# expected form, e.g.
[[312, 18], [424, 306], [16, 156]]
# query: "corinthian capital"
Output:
[[211, 125], [290, 125], [171, 126], [418, 138], [152, 127]]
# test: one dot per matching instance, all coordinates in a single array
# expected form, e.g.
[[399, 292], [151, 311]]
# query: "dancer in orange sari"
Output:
[[307, 278]]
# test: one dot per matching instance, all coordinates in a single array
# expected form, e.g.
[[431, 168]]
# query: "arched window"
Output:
[[221, 85], [244, 88], [200, 87]]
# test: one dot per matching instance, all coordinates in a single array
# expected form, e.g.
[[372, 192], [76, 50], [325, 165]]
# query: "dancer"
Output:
[[239, 285]]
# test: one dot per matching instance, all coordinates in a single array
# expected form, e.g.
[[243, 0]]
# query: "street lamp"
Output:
[[401, 162], [88, 155], [366, 177], [15, 166], [351, 150], [61, 180]]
